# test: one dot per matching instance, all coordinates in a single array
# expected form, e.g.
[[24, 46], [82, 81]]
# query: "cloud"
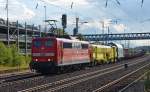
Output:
[[129, 12], [68, 2], [106, 22], [17, 11], [140, 42], [28, 14], [119, 27]]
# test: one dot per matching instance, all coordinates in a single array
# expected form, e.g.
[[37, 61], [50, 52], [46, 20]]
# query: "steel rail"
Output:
[[25, 80], [21, 78], [77, 77], [18, 77], [132, 83], [6, 77], [118, 80]]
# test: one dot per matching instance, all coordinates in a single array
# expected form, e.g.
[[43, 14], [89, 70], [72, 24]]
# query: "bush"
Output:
[[28, 59], [147, 82], [11, 57], [18, 59], [3, 54]]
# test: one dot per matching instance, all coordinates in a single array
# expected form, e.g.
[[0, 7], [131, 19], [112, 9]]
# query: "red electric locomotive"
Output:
[[51, 53]]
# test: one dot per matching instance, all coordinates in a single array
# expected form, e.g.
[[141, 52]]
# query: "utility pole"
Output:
[[7, 24], [18, 36], [45, 19], [103, 27], [26, 43], [77, 25], [124, 40], [108, 34], [40, 30]]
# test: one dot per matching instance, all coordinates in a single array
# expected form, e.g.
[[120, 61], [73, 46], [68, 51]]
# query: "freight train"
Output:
[[52, 54]]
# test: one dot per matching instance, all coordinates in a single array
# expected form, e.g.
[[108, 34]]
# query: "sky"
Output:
[[130, 16]]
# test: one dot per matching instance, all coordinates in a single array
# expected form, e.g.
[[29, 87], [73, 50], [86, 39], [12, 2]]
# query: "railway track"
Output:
[[69, 82], [13, 70], [113, 86], [133, 83], [18, 76], [17, 85]]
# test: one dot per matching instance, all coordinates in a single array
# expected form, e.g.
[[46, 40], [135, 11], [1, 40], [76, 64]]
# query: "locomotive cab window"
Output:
[[37, 43], [49, 43]]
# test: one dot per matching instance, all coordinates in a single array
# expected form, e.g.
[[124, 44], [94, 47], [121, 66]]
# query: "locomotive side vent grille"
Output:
[[43, 54]]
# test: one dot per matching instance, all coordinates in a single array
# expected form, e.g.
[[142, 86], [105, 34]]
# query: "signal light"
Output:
[[64, 20]]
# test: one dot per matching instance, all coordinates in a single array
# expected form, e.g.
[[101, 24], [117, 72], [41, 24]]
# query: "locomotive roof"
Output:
[[102, 46], [63, 39], [117, 45], [69, 40]]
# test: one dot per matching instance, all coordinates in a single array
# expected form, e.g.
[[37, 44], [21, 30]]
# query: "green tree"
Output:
[[9, 56], [3, 54], [28, 59], [18, 59], [59, 31], [80, 37]]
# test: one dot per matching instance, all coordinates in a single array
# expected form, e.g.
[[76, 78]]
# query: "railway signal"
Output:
[[64, 20]]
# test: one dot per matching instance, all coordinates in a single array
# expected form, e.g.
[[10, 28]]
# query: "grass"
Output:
[[8, 68], [147, 82]]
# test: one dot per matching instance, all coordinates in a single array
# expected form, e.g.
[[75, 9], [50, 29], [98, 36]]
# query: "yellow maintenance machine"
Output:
[[104, 54]]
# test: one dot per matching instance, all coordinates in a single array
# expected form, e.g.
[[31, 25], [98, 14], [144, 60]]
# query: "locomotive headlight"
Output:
[[36, 59], [49, 59]]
